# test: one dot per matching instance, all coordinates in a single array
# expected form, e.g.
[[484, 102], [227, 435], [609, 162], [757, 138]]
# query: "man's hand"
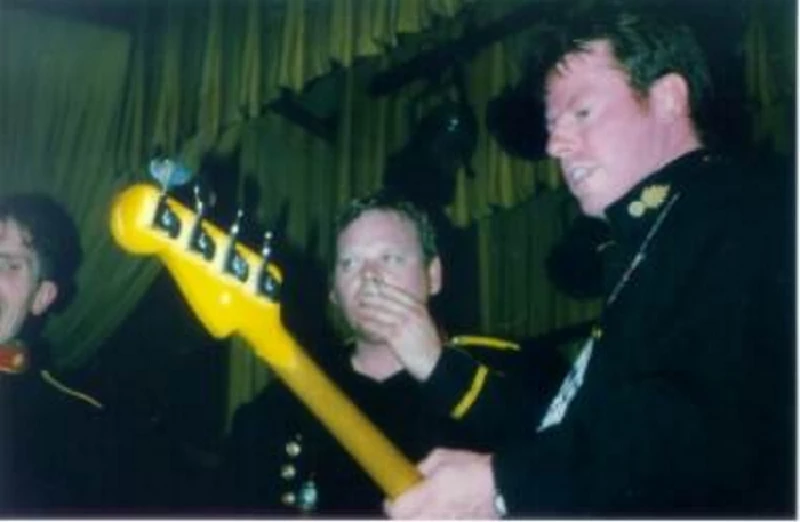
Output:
[[405, 325], [457, 484]]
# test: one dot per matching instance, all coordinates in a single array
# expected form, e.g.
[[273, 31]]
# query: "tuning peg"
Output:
[[169, 173], [267, 284], [235, 264], [236, 225], [199, 206], [164, 218], [266, 246], [199, 240]]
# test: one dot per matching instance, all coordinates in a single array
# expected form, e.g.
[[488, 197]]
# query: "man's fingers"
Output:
[[394, 296], [379, 311], [407, 506], [386, 304], [429, 464], [395, 293]]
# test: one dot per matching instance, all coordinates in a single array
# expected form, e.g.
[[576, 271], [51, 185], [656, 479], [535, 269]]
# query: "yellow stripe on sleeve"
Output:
[[471, 396], [486, 342]]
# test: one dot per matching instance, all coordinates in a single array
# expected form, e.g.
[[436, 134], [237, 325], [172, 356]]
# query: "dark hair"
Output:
[[52, 233], [647, 47], [390, 201]]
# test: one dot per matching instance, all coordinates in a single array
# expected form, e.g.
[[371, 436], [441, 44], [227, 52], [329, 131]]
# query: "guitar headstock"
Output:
[[233, 290], [230, 288]]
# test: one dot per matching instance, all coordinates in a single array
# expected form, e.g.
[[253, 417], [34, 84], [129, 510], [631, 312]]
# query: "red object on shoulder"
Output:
[[13, 359]]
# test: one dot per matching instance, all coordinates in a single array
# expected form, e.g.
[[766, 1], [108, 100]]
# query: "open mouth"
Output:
[[575, 176]]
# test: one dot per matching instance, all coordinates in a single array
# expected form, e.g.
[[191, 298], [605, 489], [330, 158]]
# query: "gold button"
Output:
[[636, 209], [597, 332], [288, 472], [289, 498], [293, 449]]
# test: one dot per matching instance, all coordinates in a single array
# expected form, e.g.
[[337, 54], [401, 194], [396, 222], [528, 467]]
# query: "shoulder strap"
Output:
[[63, 388]]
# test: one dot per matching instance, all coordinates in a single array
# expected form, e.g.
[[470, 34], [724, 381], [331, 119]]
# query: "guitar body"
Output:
[[234, 291]]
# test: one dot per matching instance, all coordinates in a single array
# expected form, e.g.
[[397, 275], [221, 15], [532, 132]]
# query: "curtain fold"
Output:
[[371, 128], [770, 75], [517, 206], [287, 175], [209, 70], [202, 67], [60, 96], [518, 297], [84, 108]]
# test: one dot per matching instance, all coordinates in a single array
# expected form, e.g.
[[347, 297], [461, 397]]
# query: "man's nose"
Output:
[[371, 271], [561, 142]]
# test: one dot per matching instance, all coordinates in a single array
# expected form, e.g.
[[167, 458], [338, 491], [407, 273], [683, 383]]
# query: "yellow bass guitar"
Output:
[[233, 290]]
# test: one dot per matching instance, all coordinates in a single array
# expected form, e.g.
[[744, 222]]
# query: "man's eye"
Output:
[[345, 264], [392, 259], [10, 265], [583, 113]]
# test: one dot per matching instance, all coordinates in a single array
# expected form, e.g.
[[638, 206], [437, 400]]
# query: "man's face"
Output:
[[21, 291], [380, 247], [603, 134]]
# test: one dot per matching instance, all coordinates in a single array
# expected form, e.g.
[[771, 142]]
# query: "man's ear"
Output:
[[44, 297], [434, 276], [669, 97]]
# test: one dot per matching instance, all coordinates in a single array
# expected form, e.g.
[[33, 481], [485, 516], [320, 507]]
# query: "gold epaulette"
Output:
[[63, 388], [484, 342]]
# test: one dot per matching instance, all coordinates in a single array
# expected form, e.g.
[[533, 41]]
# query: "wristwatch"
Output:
[[500, 505]]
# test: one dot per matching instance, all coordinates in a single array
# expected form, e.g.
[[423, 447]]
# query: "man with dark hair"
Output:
[[681, 403], [50, 445], [47, 231], [280, 460]]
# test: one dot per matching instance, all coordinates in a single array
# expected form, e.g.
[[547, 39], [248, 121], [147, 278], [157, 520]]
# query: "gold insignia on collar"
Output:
[[652, 197]]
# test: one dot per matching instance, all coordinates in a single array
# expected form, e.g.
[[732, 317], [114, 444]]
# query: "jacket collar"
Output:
[[631, 217]]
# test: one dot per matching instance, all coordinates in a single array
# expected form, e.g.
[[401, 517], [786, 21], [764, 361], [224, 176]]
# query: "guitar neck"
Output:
[[381, 460]]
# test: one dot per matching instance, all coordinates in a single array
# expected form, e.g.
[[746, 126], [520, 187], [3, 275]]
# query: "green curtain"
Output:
[[770, 69], [516, 206], [61, 84], [518, 298], [202, 76], [84, 108], [200, 68], [372, 128], [290, 172]]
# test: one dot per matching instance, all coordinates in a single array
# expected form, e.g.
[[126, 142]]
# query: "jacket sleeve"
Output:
[[489, 395]]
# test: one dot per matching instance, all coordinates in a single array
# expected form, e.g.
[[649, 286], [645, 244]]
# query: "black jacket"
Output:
[[687, 402], [55, 453]]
